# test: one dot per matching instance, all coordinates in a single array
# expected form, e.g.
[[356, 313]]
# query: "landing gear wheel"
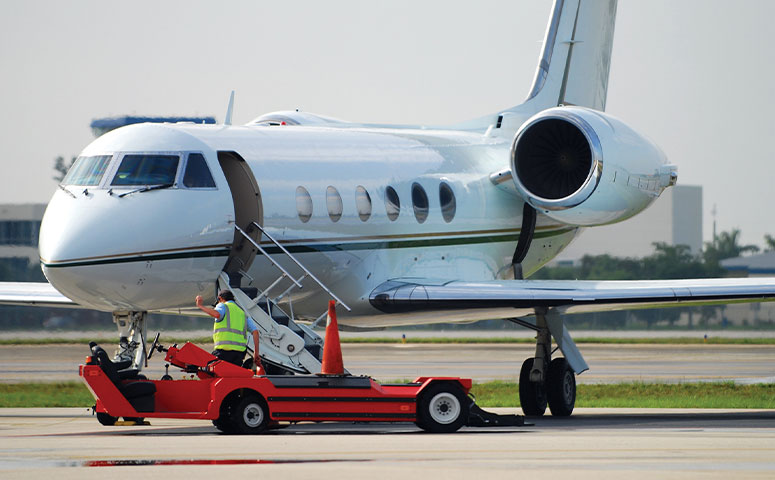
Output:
[[137, 420], [443, 408], [250, 415], [532, 396], [106, 419], [561, 388]]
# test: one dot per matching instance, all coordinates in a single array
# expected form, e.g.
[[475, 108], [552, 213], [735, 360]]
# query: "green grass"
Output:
[[444, 340], [68, 394], [489, 394], [644, 395]]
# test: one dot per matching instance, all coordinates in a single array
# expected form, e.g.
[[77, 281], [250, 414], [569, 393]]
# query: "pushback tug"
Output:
[[245, 401]]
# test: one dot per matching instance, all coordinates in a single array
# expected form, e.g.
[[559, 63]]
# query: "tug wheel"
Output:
[[443, 408], [225, 425], [251, 415], [106, 419]]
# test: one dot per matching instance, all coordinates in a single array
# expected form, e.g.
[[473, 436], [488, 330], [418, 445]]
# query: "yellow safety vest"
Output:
[[230, 332]]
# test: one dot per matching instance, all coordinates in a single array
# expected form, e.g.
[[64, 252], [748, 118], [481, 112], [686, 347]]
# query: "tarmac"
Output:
[[609, 363], [593, 443]]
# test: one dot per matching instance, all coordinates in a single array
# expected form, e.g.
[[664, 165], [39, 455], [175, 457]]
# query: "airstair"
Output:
[[285, 345]]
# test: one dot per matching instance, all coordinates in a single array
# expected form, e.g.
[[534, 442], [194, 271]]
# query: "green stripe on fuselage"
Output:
[[318, 247]]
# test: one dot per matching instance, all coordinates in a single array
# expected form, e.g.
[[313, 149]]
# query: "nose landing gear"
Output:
[[131, 333]]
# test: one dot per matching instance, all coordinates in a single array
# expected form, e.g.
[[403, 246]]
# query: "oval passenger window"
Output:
[[447, 202], [419, 202], [362, 203], [334, 204], [392, 203], [303, 204]]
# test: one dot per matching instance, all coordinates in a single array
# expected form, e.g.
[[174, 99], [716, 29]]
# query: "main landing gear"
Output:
[[545, 381]]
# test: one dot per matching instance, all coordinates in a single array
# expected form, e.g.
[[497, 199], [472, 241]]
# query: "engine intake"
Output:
[[557, 160], [557, 166]]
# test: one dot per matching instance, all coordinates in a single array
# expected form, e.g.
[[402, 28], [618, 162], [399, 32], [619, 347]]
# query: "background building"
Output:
[[759, 265], [19, 229]]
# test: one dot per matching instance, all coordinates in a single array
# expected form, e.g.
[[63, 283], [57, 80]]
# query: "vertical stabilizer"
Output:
[[229, 109], [576, 55]]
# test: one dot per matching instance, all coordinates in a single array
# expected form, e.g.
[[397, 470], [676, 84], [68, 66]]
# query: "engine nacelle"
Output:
[[583, 167]]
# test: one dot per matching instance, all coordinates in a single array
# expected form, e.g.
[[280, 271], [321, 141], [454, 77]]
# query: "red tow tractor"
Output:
[[239, 401]]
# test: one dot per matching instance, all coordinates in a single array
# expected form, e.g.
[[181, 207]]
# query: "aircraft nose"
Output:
[[140, 252]]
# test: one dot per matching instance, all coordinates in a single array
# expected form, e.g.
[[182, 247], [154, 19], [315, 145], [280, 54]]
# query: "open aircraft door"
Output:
[[247, 209]]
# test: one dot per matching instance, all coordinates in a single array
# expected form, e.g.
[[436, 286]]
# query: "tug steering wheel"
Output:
[[155, 346]]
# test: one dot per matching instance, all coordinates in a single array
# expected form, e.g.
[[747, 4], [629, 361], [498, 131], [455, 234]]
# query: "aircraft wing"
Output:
[[33, 294], [521, 297]]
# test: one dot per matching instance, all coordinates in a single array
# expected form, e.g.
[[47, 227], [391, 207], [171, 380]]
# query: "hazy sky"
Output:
[[696, 76]]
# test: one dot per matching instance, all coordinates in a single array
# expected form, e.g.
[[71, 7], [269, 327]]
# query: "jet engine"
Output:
[[584, 167]]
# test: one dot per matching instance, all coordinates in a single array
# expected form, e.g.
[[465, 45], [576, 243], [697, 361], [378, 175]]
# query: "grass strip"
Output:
[[644, 395], [488, 394], [65, 394], [438, 340]]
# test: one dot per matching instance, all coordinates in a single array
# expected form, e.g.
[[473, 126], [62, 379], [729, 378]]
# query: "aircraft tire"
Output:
[[561, 388], [443, 408], [251, 415], [532, 396]]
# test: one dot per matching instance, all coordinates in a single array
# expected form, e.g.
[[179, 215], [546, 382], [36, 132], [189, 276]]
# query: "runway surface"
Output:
[[594, 443], [608, 363]]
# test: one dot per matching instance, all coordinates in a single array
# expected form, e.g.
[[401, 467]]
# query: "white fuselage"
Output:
[[156, 250]]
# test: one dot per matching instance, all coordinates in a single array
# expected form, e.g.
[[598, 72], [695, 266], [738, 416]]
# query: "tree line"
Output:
[[667, 262]]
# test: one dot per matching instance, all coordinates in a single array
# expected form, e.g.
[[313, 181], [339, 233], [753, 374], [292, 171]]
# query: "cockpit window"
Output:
[[147, 170], [87, 171], [197, 174]]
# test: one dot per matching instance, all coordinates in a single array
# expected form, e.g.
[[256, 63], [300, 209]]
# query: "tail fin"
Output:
[[576, 56]]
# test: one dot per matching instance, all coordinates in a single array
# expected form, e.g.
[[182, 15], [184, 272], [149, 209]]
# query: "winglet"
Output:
[[229, 109]]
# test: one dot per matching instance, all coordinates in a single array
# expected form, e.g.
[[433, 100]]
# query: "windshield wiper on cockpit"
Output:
[[66, 190], [147, 189]]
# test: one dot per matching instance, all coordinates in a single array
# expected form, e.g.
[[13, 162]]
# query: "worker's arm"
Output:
[[210, 311]]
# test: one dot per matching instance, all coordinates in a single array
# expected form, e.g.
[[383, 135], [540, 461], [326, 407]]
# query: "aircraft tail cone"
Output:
[[332, 350]]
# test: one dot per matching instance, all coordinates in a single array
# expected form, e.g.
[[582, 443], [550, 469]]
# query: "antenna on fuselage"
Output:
[[229, 109]]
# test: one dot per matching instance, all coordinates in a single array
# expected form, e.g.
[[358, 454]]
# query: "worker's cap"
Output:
[[226, 294]]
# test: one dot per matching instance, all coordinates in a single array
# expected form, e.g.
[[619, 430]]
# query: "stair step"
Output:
[[315, 350], [251, 292]]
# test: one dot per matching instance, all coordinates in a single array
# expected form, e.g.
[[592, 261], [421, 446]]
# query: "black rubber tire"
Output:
[[532, 396], [224, 422], [250, 415], [561, 388], [443, 408], [225, 425], [106, 419], [138, 420]]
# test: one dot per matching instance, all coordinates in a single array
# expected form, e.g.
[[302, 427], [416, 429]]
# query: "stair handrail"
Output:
[[288, 254], [260, 249]]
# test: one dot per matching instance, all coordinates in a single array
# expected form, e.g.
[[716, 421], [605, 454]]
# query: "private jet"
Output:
[[398, 224]]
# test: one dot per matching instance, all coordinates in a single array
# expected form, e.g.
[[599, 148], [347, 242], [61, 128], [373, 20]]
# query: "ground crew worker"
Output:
[[230, 330]]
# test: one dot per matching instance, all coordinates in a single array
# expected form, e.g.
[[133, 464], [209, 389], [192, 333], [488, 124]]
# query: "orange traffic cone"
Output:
[[332, 350]]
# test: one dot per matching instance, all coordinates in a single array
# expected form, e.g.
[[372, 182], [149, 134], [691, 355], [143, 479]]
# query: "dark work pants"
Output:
[[231, 356]]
